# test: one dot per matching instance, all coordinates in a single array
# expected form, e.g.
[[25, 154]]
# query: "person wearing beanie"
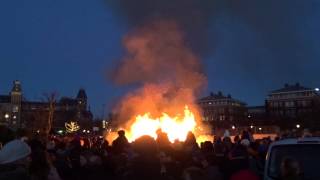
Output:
[[14, 161]]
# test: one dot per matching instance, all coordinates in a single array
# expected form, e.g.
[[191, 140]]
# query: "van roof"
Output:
[[291, 141]]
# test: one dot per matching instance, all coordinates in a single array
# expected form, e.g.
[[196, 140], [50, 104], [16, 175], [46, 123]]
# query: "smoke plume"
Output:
[[169, 73], [193, 16]]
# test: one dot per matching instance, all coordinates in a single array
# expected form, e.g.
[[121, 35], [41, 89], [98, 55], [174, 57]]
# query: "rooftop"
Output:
[[291, 88], [219, 96]]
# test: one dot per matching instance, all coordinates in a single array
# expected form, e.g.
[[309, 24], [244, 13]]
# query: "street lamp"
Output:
[[6, 116], [260, 128], [298, 126], [233, 127], [251, 126]]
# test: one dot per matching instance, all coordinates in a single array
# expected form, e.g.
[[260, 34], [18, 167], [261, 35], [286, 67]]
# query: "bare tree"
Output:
[[51, 99]]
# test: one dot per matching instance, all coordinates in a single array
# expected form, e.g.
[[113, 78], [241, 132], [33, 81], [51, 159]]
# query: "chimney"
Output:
[[211, 94], [229, 96], [286, 85], [297, 84], [219, 93]]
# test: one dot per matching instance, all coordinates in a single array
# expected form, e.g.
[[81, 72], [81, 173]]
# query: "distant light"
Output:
[[249, 116], [104, 124], [6, 116], [298, 126], [316, 89], [84, 131], [38, 131], [60, 131], [233, 127], [251, 126], [88, 131], [260, 129], [14, 117]]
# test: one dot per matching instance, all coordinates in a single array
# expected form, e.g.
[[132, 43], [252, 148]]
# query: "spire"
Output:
[[16, 86], [82, 94], [82, 99]]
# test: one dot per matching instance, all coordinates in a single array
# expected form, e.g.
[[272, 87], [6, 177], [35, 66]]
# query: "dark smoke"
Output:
[[192, 15], [282, 31]]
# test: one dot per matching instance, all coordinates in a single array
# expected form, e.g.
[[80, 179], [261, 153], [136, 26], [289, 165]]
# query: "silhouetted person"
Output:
[[236, 139], [245, 135], [146, 165], [163, 142], [120, 144], [191, 142]]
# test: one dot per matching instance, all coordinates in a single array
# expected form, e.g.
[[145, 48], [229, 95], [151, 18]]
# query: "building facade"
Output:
[[294, 105], [17, 112], [10, 107], [223, 111]]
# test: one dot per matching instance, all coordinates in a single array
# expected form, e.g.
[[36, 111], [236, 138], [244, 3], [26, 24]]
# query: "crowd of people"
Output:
[[76, 157]]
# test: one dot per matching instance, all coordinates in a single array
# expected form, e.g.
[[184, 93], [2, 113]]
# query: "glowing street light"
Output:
[[6, 116], [251, 126], [316, 89], [260, 128], [233, 127], [298, 126]]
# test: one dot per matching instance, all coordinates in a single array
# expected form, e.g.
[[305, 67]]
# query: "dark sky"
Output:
[[63, 45]]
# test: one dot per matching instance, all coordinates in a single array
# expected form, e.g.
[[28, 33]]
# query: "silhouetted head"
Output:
[[121, 133], [145, 145], [191, 137]]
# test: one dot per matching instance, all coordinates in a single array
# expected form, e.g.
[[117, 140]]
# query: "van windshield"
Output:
[[307, 155]]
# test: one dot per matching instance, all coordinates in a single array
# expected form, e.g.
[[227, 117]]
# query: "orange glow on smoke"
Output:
[[176, 127]]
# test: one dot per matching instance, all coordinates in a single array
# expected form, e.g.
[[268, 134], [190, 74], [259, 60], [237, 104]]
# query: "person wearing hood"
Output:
[[14, 161]]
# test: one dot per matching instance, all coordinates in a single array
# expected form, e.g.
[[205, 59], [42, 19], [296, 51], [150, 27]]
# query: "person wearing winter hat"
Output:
[[14, 160]]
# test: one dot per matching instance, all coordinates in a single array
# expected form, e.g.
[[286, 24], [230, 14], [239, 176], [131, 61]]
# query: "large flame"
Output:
[[176, 127]]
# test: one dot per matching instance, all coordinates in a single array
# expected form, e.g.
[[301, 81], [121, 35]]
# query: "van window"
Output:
[[307, 155]]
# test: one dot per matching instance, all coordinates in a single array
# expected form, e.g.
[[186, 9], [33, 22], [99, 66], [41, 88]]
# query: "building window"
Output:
[[289, 104]]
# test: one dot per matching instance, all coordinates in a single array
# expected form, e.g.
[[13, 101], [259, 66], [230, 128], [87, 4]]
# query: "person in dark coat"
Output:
[[120, 144]]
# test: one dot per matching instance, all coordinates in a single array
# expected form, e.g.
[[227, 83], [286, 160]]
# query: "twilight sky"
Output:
[[63, 45]]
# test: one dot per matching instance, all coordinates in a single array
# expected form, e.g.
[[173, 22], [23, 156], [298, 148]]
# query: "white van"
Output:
[[305, 150]]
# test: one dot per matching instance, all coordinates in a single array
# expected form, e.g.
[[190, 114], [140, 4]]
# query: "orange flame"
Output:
[[176, 127]]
